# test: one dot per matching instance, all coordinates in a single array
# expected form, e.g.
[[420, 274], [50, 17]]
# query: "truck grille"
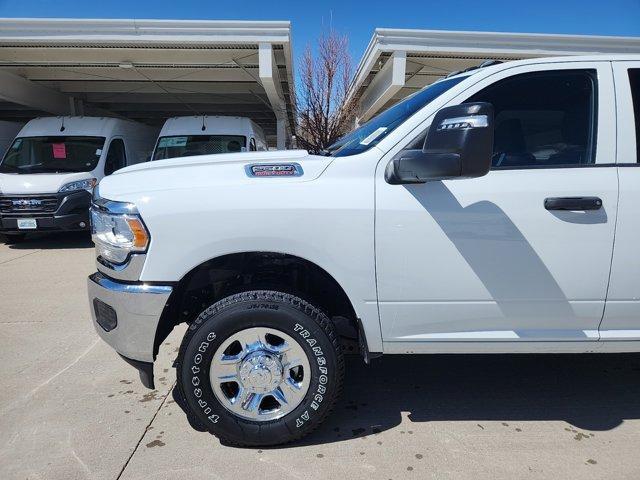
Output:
[[39, 204]]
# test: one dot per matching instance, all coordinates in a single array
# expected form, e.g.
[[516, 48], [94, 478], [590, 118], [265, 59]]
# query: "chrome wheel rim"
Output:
[[260, 374]]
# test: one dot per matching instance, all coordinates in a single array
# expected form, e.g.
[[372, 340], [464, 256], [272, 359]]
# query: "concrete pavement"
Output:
[[70, 408]]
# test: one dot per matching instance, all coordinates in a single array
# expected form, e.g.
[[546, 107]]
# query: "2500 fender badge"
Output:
[[274, 170]]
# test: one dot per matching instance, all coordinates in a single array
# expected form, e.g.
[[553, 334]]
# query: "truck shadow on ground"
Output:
[[589, 392], [54, 241]]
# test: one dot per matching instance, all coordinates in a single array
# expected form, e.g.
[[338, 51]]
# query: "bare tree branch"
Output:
[[324, 114]]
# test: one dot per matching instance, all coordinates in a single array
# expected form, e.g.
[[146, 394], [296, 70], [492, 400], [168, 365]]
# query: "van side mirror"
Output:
[[459, 145]]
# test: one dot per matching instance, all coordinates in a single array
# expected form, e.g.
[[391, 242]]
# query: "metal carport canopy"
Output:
[[149, 70], [398, 62]]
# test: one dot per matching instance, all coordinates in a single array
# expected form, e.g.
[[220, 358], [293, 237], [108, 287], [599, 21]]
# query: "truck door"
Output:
[[484, 259], [622, 312]]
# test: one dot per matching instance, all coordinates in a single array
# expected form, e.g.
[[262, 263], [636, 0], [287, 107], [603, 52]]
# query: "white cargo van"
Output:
[[202, 135], [48, 173], [8, 131]]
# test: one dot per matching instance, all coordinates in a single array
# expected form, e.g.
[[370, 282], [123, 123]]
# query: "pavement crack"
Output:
[[21, 322], [144, 433], [50, 379], [21, 256], [78, 459], [78, 358]]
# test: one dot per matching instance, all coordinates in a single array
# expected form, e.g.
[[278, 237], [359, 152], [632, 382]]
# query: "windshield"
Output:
[[381, 125], [187, 146], [57, 154]]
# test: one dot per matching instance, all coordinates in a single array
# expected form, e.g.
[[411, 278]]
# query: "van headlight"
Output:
[[86, 184], [117, 235]]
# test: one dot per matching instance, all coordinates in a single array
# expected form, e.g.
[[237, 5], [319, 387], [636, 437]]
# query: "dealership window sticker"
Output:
[[59, 150]]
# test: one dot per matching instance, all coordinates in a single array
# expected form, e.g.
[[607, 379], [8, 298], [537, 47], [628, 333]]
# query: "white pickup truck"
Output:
[[494, 211]]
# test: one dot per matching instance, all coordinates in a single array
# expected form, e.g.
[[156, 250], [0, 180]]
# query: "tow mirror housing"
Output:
[[459, 145]]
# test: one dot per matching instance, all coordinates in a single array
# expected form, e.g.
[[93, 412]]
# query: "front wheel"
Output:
[[259, 368]]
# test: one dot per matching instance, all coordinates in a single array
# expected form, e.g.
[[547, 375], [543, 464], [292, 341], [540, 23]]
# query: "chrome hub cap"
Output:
[[260, 374]]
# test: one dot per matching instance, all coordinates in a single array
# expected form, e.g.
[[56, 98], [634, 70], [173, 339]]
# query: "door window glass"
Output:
[[116, 158], [544, 119]]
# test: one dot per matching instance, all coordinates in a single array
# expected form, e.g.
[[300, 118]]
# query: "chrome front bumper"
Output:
[[137, 308]]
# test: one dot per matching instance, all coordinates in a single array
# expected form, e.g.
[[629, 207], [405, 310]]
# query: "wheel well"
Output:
[[234, 273]]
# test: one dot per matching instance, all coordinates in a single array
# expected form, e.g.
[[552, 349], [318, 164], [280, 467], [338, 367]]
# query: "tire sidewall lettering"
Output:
[[317, 396], [196, 371]]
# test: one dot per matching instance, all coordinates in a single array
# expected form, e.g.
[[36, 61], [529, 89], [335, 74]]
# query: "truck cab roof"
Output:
[[493, 65]]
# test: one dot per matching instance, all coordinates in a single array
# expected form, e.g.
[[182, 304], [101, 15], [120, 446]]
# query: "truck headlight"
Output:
[[86, 184], [117, 235]]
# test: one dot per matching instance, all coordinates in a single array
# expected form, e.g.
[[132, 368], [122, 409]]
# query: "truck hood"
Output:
[[220, 158], [34, 183], [207, 171]]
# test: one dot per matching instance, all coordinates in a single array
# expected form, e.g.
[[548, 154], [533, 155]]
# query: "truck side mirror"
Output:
[[459, 145]]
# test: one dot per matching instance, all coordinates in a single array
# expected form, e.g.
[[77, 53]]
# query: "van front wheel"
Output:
[[259, 368]]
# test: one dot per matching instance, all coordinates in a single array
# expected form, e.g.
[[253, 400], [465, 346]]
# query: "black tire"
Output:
[[11, 238], [300, 320]]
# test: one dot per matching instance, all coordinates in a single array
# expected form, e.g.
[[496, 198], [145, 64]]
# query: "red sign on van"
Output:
[[59, 150]]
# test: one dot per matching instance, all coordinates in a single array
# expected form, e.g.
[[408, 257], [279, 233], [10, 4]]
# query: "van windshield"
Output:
[[381, 125], [190, 145], [52, 154]]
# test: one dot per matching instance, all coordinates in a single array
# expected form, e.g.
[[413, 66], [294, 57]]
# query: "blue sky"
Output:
[[358, 19]]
